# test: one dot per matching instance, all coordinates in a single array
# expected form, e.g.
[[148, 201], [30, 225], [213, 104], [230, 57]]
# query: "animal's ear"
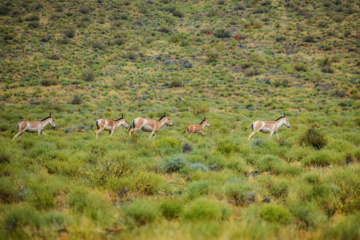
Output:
[[204, 118], [164, 114], [50, 115], [284, 114], [122, 115]]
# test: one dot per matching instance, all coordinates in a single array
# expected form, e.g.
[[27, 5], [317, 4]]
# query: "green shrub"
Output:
[[313, 138], [147, 182], [323, 158], [238, 193], [174, 164], [205, 209], [34, 24], [275, 213], [212, 55], [348, 229], [197, 189], [88, 76], [222, 33], [227, 148], [268, 163], [279, 189], [141, 212], [308, 215], [171, 209], [300, 67], [19, 217], [70, 32]]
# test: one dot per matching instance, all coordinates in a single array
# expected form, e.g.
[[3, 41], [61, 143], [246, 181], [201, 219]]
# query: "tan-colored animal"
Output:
[[198, 128], [109, 125], [34, 126], [268, 126], [149, 125]]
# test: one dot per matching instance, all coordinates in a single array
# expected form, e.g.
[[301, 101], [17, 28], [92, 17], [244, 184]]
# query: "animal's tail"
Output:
[[132, 125], [248, 126], [14, 129]]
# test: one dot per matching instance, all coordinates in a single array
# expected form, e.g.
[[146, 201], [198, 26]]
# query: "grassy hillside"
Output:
[[232, 61]]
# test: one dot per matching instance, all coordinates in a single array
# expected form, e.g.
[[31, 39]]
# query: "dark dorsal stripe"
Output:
[[162, 117], [45, 118], [119, 119], [203, 121], [279, 118]]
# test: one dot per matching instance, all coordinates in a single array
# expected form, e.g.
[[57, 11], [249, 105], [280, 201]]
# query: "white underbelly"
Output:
[[32, 130], [265, 130], [146, 128], [107, 128]]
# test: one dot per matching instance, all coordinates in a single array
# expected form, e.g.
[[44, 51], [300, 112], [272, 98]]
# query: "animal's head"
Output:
[[167, 120], [123, 121], [286, 121], [52, 122], [205, 122]]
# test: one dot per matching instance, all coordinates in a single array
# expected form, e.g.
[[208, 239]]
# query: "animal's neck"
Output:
[[118, 123], [202, 125], [280, 123], [45, 122], [161, 122]]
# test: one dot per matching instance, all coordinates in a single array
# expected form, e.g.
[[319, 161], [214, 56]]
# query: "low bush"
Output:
[[307, 213], [206, 210], [323, 158], [171, 209], [174, 164], [238, 194], [141, 212], [313, 138], [70, 32], [227, 148], [197, 189], [345, 229], [279, 189], [212, 55], [275, 213], [222, 33]]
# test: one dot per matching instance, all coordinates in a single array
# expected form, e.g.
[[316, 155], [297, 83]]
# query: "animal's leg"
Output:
[[43, 133], [277, 135], [202, 133], [133, 130], [152, 134], [18, 134], [252, 134], [111, 133], [271, 133], [97, 132], [191, 133]]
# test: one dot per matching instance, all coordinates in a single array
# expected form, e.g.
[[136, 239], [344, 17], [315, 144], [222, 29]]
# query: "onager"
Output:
[[198, 128], [149, 125], [109, 125], [34, 126], [268, 126]]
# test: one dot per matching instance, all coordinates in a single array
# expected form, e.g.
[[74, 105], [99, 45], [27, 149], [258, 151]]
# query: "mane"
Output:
[[45, 118], [119, 119], [202, 121], [279, 118], [162, 117]]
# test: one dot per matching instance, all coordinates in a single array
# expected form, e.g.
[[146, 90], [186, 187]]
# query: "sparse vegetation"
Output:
[[233, 62]]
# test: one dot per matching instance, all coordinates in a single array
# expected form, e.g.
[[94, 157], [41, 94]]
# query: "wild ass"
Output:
[[268, 126], [149, 125], [34, 126], [198, 128], [109, 125]]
